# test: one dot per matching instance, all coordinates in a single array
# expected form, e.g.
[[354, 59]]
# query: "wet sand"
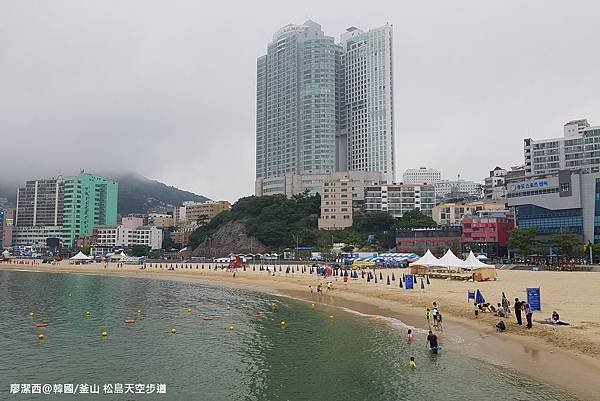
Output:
[[568, 357]]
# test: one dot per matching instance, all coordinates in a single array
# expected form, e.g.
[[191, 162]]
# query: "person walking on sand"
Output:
[[528, 315], [518, 308]]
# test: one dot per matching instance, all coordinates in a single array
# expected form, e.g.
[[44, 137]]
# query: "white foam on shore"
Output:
[[391, 321]]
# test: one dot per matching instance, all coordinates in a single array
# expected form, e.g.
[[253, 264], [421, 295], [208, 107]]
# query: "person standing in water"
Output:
[[433, 343], [409, 336], [412, 364]]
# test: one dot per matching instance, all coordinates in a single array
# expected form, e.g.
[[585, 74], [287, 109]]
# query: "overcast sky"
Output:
[[167, 88]]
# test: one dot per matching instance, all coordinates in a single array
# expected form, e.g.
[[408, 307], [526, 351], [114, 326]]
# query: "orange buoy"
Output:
[[129, 321], [207, 317], [41, 325]]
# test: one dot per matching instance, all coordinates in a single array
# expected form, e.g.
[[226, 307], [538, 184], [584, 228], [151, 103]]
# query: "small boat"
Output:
[[41, 325], [129, 321], [207, 317]]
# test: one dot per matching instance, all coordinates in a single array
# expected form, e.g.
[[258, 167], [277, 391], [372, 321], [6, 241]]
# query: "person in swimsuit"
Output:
[[409, 336], [412, 364]]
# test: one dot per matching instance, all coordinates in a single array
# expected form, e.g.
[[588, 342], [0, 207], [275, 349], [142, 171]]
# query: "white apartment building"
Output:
[[421, 175], [579, 148], [130, 232], [398, 199], [445, 188]]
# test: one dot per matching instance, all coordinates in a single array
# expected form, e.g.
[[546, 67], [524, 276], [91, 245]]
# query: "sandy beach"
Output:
[[567, 356]]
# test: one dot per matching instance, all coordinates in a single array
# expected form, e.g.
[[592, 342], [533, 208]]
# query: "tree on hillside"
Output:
[[372, 223], [139, 250], [522, 240], [415, 219], [566, 244]]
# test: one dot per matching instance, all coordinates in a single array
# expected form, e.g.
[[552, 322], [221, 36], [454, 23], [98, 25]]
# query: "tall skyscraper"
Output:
[[40, 203], [369, 99], [296, 102], [324, 107]]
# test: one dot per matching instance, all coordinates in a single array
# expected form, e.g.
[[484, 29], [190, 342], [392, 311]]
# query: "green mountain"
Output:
[[137, 194]]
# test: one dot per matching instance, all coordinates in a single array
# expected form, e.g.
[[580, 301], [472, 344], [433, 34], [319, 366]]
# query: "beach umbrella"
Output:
[[427, 277], [388, 280], [479, 299], [393, 277], [422, 284]]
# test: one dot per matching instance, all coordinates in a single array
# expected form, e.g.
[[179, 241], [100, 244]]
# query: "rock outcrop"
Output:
[[229, 238]]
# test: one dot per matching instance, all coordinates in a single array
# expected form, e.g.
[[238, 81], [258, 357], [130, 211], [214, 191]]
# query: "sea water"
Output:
[[320, 353]]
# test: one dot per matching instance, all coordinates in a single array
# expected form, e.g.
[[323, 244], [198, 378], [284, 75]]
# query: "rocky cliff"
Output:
[[229, 238]]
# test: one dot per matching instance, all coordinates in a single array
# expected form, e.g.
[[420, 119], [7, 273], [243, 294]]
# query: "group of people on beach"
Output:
[[434, 315], [434, 318]]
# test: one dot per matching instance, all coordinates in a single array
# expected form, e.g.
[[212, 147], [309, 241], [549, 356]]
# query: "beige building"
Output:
[[161, 220], [451, 214], [204, 212], [336, 204], [294, 184]]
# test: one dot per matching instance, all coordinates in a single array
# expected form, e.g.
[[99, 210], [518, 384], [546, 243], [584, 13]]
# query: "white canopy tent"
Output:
[[450, 261], [80, 257], [480, 270], [426, 260], [472, 263]]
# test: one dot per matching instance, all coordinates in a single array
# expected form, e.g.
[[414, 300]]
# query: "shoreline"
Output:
[[542, 360]]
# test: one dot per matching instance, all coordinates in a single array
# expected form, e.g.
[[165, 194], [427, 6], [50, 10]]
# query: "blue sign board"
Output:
[[409, 282], [532, 184], [533, 299]]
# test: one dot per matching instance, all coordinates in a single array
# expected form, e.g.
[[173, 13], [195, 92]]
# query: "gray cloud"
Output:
[[167, 88]]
